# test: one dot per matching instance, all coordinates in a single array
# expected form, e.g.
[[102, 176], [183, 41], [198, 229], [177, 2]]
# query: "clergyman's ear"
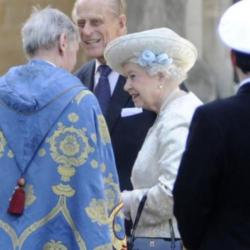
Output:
[[62, 43]]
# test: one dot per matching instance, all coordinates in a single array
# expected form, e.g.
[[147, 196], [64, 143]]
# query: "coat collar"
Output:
[[119, 100]]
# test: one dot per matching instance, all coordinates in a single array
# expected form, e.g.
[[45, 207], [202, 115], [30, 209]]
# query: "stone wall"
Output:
[[12, 14], [196, 20]]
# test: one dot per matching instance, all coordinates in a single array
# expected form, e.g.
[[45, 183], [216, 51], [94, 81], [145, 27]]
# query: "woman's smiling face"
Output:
[[143, 87]]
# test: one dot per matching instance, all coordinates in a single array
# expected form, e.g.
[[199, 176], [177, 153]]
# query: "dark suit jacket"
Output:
[[212, 189], [127, 133]]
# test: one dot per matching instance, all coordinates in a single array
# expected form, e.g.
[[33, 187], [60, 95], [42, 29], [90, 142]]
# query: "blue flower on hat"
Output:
[[164, 59], [148, 58]]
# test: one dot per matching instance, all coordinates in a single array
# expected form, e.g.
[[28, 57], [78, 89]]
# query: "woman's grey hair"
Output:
[[43, 29], [171, 72]]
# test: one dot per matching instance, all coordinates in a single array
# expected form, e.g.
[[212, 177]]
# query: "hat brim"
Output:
[[162, 40]]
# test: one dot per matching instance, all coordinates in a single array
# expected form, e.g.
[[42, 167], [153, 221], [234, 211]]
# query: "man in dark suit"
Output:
[[212, 189], [99, 22]]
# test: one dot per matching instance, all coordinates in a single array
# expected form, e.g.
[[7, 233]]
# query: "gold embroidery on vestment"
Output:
[[10, 154], [3, 143], [61, 207], [93, 137], [104, 247], [30, 197], [97, 212], [70, 148], [54, 245], [94, 164], [73, 117], [103, 167], [103, 129], [63, 189], [10, 232], [42, 152], [81, 95]]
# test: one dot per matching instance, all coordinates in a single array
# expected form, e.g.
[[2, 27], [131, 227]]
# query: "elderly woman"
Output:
[[155, 62]]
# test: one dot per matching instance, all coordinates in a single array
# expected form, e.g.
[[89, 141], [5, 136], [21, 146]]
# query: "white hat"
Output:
[[234, 27], [161, 40]]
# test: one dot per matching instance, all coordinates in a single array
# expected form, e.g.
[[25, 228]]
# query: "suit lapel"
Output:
[[119, 100], [89, 74]]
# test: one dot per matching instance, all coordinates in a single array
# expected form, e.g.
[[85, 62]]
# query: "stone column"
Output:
[[201, 80], [214, 52], [147, 14]]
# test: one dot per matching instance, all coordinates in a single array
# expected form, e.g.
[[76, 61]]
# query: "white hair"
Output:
[[118, 7], [171, 71], [43, 29]]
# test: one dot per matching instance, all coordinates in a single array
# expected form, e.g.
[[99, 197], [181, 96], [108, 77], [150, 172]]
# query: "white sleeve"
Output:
[[159, 205]]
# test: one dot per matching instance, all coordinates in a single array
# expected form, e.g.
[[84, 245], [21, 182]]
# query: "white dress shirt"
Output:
[[113, 77]]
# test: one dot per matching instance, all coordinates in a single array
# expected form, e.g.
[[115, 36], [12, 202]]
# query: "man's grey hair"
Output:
[[43, 28], [118, 7]]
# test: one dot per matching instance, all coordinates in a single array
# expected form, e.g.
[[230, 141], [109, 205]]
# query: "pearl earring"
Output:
[[160, 86]]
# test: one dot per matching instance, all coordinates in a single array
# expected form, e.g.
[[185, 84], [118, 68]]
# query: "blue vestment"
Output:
[[53, 133]]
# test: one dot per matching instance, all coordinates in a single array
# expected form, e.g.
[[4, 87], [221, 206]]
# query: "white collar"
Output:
[[46, 61], [244, 82], [97, 64]]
